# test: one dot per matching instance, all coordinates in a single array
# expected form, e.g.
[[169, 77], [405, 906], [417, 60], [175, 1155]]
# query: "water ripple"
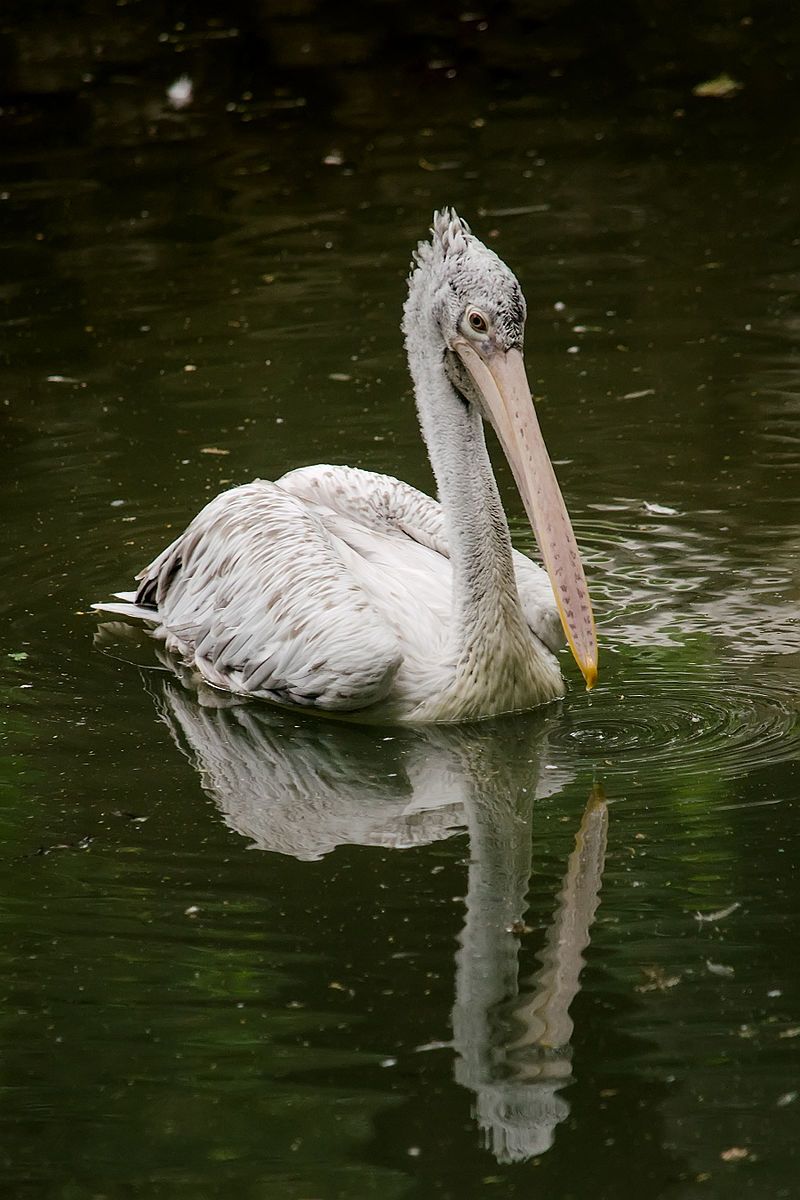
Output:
[[697, 721]]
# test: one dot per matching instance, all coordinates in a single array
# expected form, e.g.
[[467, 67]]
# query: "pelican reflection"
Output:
[[512, 1037], [302, 788]]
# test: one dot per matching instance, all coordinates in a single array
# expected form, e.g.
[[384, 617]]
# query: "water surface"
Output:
[[248, 954]]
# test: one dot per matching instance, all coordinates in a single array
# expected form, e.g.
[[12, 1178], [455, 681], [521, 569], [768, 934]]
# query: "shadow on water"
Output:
[[304, 788]]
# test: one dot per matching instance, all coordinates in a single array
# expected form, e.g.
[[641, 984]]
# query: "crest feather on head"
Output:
[[449, 236]]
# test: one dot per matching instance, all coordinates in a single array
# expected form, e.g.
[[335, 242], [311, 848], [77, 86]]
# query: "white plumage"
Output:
[[351, 592]]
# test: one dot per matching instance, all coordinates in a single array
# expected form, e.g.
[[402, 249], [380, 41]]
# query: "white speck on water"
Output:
[[659, 510], [413, 1152], [786, 1098], [181, 93], [389, 1062], [117, 503], [559, 306], [573, 349], [720, 913], [719, 969], [774, 993]]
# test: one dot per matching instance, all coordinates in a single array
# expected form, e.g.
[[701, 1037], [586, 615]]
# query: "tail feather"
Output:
[[134, 612]]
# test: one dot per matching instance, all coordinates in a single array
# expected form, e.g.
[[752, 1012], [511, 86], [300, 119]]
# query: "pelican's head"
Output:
[[469, 308]]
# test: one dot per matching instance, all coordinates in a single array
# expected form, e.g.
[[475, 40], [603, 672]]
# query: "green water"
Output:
[[251, 955]]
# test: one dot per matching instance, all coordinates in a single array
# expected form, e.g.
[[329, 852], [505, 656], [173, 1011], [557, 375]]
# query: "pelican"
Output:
[[351, 593]]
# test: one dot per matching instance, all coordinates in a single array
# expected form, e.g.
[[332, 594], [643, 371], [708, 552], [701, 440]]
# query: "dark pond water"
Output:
[[249, 955]]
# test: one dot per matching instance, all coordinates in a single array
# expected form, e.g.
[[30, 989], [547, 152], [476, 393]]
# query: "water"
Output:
[[248, 954]]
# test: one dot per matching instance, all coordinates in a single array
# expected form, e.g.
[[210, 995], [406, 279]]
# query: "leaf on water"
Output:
[[735, 1154], [721, 87], [445, 165]]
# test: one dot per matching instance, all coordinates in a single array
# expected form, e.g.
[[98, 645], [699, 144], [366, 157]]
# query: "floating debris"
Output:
[[213, 450], [522, 210], [719, 915], [721, 87], [657, 980], [786, 1098], [82, 844], [444, 165], [659, 510], [719, 969], [180, 94], [735, 1154]]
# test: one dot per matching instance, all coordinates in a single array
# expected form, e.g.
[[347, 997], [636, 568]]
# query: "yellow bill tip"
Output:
[[589, 674]]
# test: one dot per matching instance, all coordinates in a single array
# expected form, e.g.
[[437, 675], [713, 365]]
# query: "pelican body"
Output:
[[352, 593]]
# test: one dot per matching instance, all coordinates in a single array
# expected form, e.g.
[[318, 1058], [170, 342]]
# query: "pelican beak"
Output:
[[501, 380]]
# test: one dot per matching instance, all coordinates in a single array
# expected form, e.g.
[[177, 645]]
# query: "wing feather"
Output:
[[256, 596], [384, 503]]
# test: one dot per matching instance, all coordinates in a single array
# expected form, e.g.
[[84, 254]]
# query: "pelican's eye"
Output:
[[477, 321]]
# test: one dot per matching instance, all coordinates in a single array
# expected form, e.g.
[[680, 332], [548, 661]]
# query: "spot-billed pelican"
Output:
[[346, 591]]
